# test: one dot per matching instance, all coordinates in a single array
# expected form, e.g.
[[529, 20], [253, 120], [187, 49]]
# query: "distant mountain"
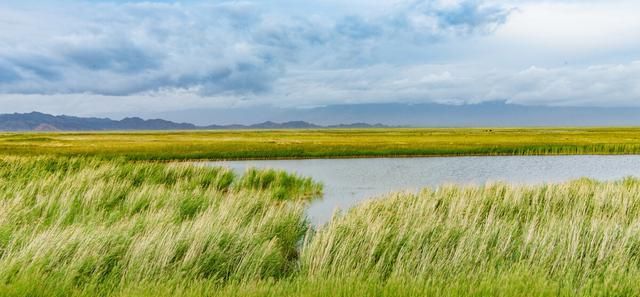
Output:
[[266, 125], [357, 126], [494, 114], [488, 114], [36, 121]]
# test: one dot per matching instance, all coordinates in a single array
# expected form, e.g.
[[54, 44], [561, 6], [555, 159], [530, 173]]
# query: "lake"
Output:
[[350, 181]]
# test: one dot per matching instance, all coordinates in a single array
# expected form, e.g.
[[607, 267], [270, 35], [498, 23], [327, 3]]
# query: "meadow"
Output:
[[93, 227], [326, 143], [88, 226]]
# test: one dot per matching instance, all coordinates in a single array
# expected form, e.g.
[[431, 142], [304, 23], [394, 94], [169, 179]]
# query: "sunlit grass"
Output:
[[86, 224], [325, 143], [94, 227], [580, 238]]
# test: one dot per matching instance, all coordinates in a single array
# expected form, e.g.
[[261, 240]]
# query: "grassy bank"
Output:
[[90, 227], [97, 227], [578, 238], [324, 143]]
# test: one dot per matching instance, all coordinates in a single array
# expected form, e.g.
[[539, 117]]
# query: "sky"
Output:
[[128, 57]]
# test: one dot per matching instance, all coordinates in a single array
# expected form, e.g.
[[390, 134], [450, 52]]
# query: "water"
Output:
[[350, 181]]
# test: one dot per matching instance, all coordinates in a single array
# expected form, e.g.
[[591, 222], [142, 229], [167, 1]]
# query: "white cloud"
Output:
[[603, 85], [108, 57], [229, 47], [575, 26]]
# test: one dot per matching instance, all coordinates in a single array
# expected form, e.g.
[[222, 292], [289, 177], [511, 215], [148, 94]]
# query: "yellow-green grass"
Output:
[[325, 143], [93, 227], [86, 225], [579, 238]]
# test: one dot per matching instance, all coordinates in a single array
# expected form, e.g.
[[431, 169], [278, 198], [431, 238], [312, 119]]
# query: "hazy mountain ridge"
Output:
[[487, 114], [36, 121]]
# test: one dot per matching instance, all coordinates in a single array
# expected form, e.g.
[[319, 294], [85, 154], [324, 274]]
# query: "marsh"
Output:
[[350, 181]]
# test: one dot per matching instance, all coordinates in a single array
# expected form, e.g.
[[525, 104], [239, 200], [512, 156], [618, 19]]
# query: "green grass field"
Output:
[[95, 227], [325, 143], [91, 227], [79, 218]]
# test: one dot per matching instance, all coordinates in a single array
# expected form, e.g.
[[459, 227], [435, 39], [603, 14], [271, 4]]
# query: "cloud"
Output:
[[130, 48], [239, 48], [458, 17], [468, 17], [7, 74], [601, 85], [357, 28], [575, 26], [615, 84], [119, 57]]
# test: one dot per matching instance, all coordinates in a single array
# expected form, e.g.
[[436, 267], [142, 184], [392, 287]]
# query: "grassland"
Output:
[[96, 227], [577, 239], [324, 143], [78, 218]]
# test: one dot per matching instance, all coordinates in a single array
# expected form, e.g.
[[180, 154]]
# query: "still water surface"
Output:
[[350, 181]]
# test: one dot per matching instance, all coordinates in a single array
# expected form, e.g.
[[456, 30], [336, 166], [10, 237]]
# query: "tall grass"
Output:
[[282, 185], [85, 224], [91, 227], [581, 237]]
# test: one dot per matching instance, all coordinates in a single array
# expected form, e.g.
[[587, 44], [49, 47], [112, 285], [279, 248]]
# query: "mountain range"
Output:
[[36, 121], [488, 114]]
